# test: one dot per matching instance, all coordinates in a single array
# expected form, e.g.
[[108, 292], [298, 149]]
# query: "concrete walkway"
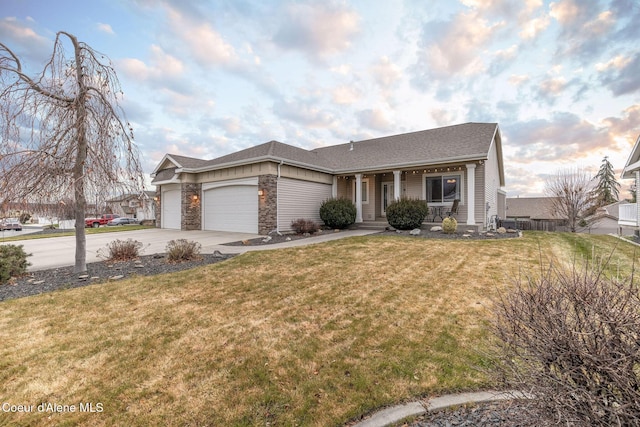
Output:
[[398, 413]]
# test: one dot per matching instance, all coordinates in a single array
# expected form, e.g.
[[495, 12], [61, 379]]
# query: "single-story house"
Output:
[[605, 220], [264, 188], [533, 213], [140, 206]]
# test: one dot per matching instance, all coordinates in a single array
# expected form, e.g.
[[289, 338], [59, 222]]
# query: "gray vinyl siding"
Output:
[[300, 199], [492, 183]]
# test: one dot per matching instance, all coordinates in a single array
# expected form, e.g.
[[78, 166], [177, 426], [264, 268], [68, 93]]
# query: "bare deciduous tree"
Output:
[[570, 193], [63, 131]]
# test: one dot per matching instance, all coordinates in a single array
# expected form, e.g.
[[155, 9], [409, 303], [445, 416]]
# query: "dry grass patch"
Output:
[[303, 336]]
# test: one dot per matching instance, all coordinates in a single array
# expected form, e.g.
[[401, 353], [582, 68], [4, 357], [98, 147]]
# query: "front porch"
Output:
[[439, 186]]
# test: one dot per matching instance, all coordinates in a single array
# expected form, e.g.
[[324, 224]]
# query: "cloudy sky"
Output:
[[204, 78]]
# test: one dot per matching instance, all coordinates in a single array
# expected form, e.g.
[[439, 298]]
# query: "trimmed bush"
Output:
[[13, 262], [302, 226], [571, 337], [407, 214], [338, 213], [121, 250], [449, 225], [183, 250]]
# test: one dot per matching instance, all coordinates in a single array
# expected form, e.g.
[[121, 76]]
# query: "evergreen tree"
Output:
[[607, 189]]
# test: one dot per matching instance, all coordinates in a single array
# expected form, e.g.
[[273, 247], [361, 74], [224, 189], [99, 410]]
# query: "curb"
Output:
[[397, 413]]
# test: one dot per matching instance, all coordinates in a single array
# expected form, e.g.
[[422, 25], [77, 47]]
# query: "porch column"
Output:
[[396, 184], [358, 197], [471, 194], [334, 187]]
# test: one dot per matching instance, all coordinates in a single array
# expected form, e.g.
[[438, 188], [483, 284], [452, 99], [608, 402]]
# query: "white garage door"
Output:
[[300, 199], [171, 209], [231, 208]]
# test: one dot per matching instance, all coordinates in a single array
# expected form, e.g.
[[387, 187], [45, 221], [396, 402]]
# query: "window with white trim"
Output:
[[443, 189], [365, 191]]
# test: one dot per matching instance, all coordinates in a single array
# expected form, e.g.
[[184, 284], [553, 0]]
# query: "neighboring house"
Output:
[[534, 213], [140, 206], [605, 220], [630, 213], [266, 187]]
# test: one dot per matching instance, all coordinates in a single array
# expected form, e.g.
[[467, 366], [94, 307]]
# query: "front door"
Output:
[[387, 196]]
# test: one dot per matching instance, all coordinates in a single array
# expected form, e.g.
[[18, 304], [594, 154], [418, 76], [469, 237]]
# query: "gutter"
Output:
[[278, 198]]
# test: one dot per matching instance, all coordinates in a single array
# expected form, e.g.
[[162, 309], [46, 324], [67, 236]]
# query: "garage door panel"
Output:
[[171, 209], [231, 208]]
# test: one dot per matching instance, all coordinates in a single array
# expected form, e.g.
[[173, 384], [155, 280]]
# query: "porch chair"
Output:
[[454, 208]]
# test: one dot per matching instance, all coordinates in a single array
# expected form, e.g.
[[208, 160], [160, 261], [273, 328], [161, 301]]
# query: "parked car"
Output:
[[97, 222], [13, 225], [123, 221]]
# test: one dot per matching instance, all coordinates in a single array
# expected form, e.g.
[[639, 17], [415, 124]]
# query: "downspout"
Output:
[[278, 199]]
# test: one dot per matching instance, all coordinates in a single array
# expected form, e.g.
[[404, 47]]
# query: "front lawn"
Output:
[[315, 335]]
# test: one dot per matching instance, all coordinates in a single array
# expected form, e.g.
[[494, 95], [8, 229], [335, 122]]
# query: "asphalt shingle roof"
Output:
[[468, 141], [433, 146]]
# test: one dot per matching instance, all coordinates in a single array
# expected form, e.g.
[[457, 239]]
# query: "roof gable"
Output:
[[633, 163]]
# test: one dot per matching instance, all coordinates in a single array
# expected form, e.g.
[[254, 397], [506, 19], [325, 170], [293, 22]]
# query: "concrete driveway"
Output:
[[60, 251]]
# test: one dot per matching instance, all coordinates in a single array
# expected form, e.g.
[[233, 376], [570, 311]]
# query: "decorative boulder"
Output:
[[501, 230], [435, 228], [415, 232]]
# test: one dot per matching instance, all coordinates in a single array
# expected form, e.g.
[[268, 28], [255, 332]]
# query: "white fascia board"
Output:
[[165, 158], [256, 160], [629, 170], [405, 165]]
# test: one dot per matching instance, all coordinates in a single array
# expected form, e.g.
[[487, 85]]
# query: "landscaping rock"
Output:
[[501, 230], [435, 228], [471, 231], [512, 231], [267, 239], [118, 277], [415, 232], [466, 235]]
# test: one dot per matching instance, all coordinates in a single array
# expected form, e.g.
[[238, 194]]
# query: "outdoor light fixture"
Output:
[[260, 192], [195, 197]]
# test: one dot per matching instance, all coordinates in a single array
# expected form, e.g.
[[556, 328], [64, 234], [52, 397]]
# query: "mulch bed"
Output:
[[41, 281], [424, 234], [506, 413]]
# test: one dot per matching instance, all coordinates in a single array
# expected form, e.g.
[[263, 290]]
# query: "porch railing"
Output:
[[628, 215]]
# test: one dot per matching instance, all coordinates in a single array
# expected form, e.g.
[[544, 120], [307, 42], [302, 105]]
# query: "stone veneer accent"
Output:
[[267, 204], [191, 212], [158, 210]]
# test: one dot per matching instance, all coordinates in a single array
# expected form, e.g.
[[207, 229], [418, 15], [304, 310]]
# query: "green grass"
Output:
[[100, 230], [311, 336]]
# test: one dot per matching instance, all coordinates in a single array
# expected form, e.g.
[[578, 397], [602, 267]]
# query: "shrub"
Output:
[[121, 250], [24, 217], [183, 250], [572, 339], [449, 225], [13, 262], [338, 213], [302, 226], [407, 214]]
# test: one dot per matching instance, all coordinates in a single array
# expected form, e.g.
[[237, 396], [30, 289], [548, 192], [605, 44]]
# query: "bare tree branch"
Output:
[[64, 132], [570, 193]]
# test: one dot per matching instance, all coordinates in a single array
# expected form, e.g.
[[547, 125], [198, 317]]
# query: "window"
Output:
[[443, 189], [365, 191]]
